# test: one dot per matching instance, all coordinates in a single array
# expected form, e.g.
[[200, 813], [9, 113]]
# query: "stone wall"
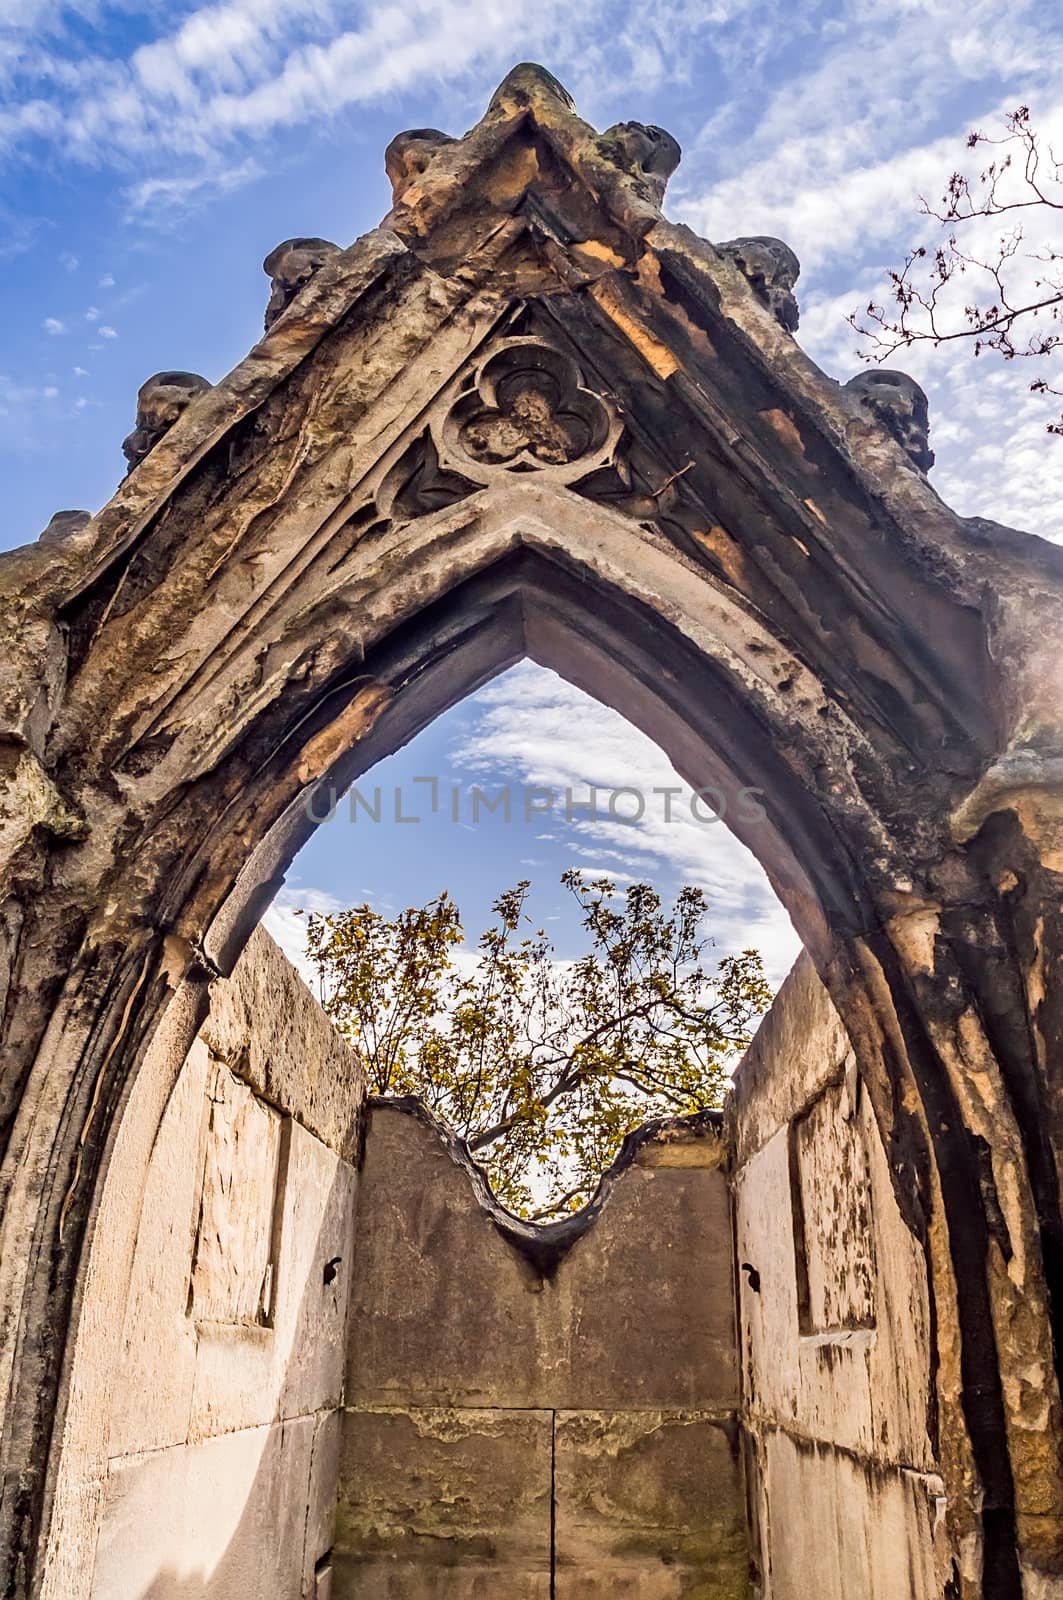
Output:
[[565, 1430], [835, 1325], [222, 1424], [551, 1415]]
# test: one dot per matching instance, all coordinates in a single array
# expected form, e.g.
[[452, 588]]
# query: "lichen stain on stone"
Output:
[[648, 276], [656, 354], [598, 251], [784, 427], [693, 1153], [915, 932], [352, 724], [516, 168], [727, 551]]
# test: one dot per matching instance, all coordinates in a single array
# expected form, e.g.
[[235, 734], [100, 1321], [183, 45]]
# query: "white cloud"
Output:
[[283, 922], [92, 314], [166, 198], [80, 372], [107, 332], [540, 731], [53, 325], [106, 282], [227, 72]]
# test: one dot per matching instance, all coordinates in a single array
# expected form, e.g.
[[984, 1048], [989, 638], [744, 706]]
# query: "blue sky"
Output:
[[151, 155]]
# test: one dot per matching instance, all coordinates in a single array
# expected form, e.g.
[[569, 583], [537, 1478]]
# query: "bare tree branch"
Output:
[[1000, 296]]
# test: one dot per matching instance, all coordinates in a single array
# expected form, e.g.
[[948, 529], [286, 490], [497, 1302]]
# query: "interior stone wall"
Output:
[[311, 1296], [569, 1434], [220, 1414], [835, 1325]]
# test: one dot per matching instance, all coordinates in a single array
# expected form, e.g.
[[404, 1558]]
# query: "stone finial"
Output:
[[160, 401], [644, 151], [290, 267], [772, 268], [62, 524], [897, 401], [409, 153], [527, 81]]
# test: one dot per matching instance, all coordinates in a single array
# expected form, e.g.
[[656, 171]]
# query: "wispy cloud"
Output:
[[163, 200], [538, 730], [236, 71], [53, 326], [285, 921]]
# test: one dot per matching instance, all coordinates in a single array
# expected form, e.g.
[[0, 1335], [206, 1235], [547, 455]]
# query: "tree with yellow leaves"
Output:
[[542, 1066]]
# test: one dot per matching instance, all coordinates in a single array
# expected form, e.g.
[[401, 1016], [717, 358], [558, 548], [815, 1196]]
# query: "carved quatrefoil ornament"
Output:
[[527, 411]]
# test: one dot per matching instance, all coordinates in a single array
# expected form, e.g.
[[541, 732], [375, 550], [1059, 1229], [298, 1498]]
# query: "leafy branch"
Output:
[[541, 1065]]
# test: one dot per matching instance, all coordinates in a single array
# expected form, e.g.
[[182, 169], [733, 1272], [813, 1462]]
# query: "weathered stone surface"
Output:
[[649, 1505], [639, 1312], [226, 1519], [270, 1031], [441, 1302], [803, 1030], [238, 1199], [233, 1266], [835, 1323], [837, 1527], [648, 1293], [448, 1502], [246, 1375], [633, 1324], [146, 1413]]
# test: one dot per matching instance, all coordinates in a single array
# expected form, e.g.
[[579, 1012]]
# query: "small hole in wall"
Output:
[[753, 1275], [331, 1269]]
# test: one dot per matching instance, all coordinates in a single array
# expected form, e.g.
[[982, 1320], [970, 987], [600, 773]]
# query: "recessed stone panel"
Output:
[[234, 1267]]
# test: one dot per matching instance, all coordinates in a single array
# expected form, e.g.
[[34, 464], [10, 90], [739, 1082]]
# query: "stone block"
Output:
[[645, 1301], [648, 1505], [222, 1520], [267, 1027], [860, 1533], [443, 1502], [321, 1505], [155, 1375], [233, 1268], [831, 1195], [246, 1375], [798, 1049], [443, 1309]]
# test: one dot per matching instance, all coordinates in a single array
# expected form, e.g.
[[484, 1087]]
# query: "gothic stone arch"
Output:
[[528, 415]]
